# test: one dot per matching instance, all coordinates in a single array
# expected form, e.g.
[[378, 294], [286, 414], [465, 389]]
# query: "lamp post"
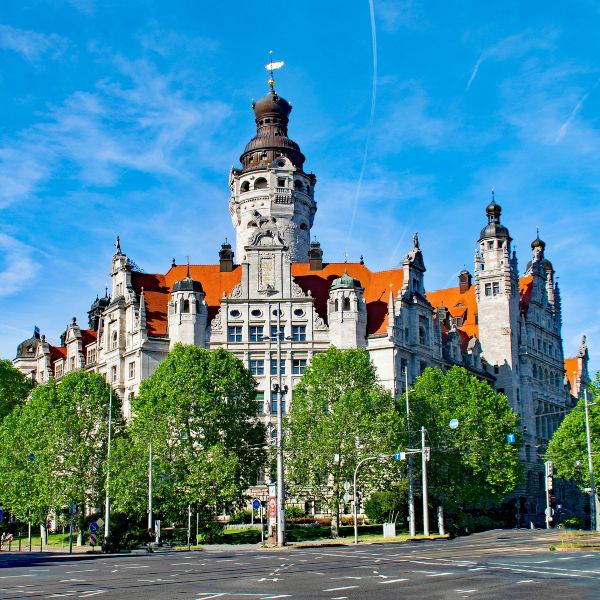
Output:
[[107, 504], [150, 517], [412, 529], [595, 524]]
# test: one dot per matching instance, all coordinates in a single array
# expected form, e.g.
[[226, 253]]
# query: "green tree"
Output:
[[339, 410], [65, 427], [14, 388], [473, 464], [568, 447], [198, 410]]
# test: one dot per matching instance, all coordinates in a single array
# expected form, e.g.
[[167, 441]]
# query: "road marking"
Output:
[[440, 574], [465, 591], [526, 581], [337, 589], [393, 581], [138, 567], [82, 571], [567, 557], [69, 580], [346, 577], [13, 576], [92, 593]]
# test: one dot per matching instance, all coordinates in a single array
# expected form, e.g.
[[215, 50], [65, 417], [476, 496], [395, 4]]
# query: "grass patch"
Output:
[[571, 539]]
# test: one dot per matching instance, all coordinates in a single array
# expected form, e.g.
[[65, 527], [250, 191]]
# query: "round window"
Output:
[[256, 313], [277, 313], [299, 312], [235, 314]]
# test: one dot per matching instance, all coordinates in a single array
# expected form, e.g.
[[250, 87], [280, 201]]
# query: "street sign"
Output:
[[347, 486], [31, 457], [94, 527], [346, 497], [1, 512], [453, 424], [399, 455], [255, 504], [511, 438], [92, 539], [100, 522]]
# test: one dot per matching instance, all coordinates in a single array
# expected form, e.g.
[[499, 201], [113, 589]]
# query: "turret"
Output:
[[347, 313], [272, 187], [187, 313]]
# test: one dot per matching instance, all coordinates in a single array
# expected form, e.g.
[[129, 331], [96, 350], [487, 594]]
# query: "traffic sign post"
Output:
[[94, 527], [92, 539], [399, 455], [511, 438]]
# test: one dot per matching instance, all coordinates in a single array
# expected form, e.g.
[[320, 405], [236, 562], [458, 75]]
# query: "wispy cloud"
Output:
[[512, 47], [565, 126], [137, 122], [395, 14], [18, 265], [32, 45]]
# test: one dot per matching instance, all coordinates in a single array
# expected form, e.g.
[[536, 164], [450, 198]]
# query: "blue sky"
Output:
[[125, 117]]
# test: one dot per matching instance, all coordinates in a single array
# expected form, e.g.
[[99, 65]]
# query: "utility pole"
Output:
[[549, 486], [107, 504], [595, 524], [150, 518], [412, 528], [280, 487], [424, 452]]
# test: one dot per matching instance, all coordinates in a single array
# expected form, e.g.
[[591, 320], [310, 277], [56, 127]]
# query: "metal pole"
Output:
[[355, 509], [280, 486], [412, 526], [425, 499], [595, 525], [262, 530], [70, 528], [107, 505], [548, 474], [189, 526], [150, 518]]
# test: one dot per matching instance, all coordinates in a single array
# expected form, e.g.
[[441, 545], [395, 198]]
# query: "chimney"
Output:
[[315, 256], [464, 281], [226, 258]]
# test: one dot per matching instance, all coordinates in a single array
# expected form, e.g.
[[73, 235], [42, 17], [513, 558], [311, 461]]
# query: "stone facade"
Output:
[[504, 328]]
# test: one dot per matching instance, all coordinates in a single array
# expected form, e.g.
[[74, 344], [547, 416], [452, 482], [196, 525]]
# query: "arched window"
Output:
[[346, 303], [114, 340], [245, 186], [260, 183], [534, 372], [303, 226], [546, 375], [186, 306], [298, 185], [336, 305]]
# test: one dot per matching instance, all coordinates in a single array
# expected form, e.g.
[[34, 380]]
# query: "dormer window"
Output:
[[114, 341]]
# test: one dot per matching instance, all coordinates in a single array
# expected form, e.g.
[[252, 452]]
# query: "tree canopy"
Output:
[[340, 411], [568, 447], [198, 410], [472, 464], [14, 388]]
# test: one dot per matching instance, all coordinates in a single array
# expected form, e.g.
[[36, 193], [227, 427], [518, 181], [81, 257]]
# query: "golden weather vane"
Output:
[[273, 66]]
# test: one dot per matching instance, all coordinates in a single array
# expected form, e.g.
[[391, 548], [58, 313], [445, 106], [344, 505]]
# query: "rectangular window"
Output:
[[490, 245], [298, 366], [274, 400], [274, 365], [59, 371], [488, 289], [257, 366], [260, 403], [274, 332], [131, 370], [113, 374], [91, 356], [234, 334], [280, 182], [256, 333], [72, 363], [495, 288], [299, 333], [423, 330]]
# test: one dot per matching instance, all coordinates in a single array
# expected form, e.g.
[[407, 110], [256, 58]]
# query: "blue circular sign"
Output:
[[31, 457], [94, 527], [453, 424], [256, 504]]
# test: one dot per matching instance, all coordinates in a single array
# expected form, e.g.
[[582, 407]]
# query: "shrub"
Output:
[[210, 532], [242, 516], [294, 512], [574, 523]]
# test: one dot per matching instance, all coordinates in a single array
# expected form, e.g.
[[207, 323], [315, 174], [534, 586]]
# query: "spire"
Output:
[[273, 66], [118, 246], [416, 241], [188, 267]]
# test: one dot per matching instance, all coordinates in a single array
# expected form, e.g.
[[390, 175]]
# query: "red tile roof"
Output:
[[458, 305], [571, 371], [88, 336]]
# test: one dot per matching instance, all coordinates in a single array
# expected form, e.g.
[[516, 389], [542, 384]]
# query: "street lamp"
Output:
[[595, 524]]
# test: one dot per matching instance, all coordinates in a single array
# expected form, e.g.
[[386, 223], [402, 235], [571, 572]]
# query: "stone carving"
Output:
[[236, 292], [297, 291], [217, 324], [318, 322]]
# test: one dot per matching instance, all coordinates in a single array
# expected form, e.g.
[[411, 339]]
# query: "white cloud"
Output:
[[391, 15], [513, 46], [18, 266], [32, 45]]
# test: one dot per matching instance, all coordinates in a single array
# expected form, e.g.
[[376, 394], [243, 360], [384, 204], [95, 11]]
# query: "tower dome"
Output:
[[494, 228], [345, 282]]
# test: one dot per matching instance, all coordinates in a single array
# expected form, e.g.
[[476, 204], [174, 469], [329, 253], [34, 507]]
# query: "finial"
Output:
[[537, 232], [272, 66], [188, 267], [493, 195], [106, 291], [142, 291], [345, 258], [173, 263], [226, 240], [362, 259], [74, 319], [118, 245]]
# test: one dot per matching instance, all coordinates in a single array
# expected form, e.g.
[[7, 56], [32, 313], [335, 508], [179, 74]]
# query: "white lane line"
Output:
[[82, 571], [278, 596], [465, 591], [92, 593], [440, 574], [13, 576], [525, 581], [337, 589], [70, 580], [393, 581], [345, 577], [567, 557], [138, 567], [339, 598]]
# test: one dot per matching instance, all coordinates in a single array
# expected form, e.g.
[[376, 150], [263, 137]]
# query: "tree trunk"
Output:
[[43, 534], [335, 518]]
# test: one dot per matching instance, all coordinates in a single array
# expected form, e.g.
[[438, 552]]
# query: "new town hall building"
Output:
[[502, 326]]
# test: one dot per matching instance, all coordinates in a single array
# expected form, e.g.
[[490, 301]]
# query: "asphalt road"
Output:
[[499, 564]]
